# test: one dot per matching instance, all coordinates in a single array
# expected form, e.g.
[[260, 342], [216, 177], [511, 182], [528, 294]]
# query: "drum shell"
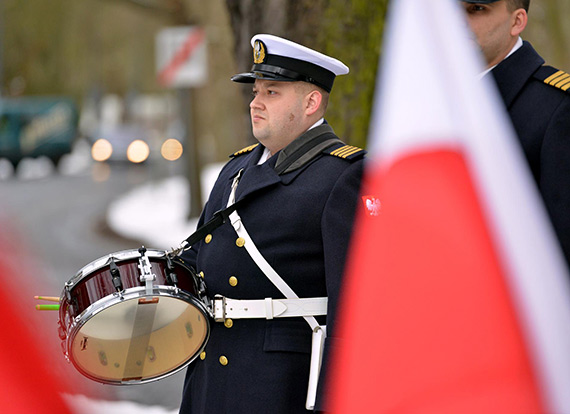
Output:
[[91, 292], [98, 283]]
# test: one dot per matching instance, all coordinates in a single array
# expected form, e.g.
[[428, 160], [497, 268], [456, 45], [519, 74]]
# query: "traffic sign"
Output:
[[181, 56]]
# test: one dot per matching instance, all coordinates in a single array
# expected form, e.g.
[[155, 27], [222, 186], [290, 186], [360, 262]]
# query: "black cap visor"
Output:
[[288, 70], [268, 72]]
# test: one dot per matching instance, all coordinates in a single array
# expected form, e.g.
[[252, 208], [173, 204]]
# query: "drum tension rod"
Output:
[[116, 275], [170, 275], [146, 275]]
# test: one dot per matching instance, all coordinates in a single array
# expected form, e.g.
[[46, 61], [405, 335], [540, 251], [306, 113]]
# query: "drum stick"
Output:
[[48, 298], [47, 307]]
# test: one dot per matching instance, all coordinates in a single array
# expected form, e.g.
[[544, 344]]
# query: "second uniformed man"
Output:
[[537, 98]]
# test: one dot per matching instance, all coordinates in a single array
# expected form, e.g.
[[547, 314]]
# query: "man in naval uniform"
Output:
[[537, 98], [296, 192]]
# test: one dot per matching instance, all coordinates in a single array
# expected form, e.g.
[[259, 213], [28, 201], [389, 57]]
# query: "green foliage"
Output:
[[351, 30], [70, 46]]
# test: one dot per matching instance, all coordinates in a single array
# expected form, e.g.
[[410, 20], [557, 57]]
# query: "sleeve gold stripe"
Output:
[[560, 80], [565, 87], [554, 76]]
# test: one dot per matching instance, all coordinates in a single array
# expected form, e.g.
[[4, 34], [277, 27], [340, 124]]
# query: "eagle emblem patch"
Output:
[[372, 205]]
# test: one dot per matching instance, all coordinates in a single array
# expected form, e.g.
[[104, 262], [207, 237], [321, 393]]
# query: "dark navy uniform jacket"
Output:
[[301, 222], [540, 113]]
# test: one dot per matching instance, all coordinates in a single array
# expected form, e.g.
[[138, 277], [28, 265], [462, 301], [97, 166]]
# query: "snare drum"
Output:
[[133, 316]]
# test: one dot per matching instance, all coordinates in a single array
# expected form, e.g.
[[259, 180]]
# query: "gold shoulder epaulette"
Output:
[[347, 152], [554, 77], [244, 150], [559, 80]]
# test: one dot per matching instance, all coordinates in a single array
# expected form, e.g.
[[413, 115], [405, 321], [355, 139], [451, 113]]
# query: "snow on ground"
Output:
[[157, 213]]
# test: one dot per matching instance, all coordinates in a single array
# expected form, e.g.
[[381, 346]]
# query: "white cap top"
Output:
[[283, 47], [283, 60]]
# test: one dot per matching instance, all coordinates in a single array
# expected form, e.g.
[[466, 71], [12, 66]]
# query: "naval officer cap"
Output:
[[275, 58]]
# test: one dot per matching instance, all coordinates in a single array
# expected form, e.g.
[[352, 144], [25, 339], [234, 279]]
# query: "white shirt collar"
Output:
[[516, 47], [264, 157], [316, 124]]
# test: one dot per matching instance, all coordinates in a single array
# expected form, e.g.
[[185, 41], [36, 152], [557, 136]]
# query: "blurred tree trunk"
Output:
[[216, 126], [350, 30], [549, 31]]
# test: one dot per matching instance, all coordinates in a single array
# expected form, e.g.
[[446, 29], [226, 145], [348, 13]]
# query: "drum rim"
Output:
[[130, 294], [103, 261]]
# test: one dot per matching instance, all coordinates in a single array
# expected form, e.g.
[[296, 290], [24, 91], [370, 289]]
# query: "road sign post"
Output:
[[182, 65]]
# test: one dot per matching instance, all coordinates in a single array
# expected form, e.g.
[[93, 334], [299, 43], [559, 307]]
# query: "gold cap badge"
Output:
[[258, 52]]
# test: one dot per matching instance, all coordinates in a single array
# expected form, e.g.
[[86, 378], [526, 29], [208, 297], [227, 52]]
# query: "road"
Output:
[[61, 219]]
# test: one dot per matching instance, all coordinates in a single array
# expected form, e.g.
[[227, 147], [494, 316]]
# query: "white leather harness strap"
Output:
[[265, 267], [270, 308]]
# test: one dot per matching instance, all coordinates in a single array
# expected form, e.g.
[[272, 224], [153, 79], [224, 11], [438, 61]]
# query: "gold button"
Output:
[[233, 281], [203, 355], [223, 360], [240, 242], [201, 274], [228, 323], [208, 238]]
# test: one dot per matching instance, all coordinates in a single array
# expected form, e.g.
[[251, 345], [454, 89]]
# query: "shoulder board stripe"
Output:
[[346, 151], [349, 151], [564, 84], [559, 80], [244, 150], [343, 151]]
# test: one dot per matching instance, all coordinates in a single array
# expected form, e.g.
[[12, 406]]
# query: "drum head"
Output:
[[139, 338]]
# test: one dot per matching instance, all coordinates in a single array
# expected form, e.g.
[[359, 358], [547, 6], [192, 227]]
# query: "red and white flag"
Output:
[[33, 372], [457, 298]]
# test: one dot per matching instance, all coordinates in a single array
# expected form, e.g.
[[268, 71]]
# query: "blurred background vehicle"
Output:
[[133, 143], [142, 128], [37, 126]]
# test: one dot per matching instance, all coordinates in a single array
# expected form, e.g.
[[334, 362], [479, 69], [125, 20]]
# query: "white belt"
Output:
[[268, 308]]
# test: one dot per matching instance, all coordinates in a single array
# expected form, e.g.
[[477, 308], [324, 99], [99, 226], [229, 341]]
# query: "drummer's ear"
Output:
[[313, 102], [520, 20]]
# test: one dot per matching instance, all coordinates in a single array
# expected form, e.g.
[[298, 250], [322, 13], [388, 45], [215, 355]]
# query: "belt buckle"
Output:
[[219, 299]]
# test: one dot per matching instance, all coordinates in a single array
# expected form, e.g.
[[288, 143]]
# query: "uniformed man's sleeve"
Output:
[[555, 173], [337, 224]]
